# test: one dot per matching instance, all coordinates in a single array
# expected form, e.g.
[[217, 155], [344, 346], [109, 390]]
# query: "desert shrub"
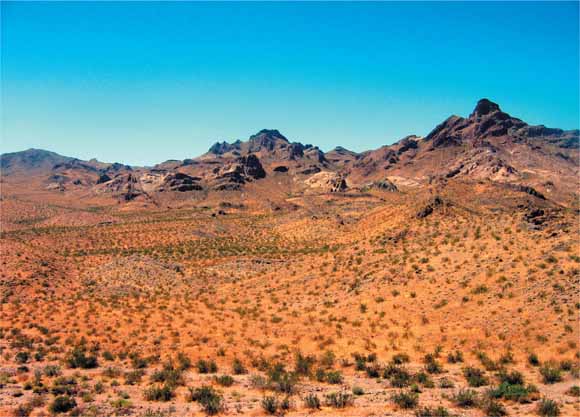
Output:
[[400, 358], [224, 380], [99, 388], [573, 391], [328, 358], [432, 412], [511, 392], [206, 367], [137, 361], [465, 398], [108, 356], [304, 364], [405, 399], [487, 362], [280, 380], [373, 370], [238, 367], [432, 366], [159, 393], [446, 383], [533, 359], [455, 357], [339, 399], [169, 375], [358, 391], [64, 385], [424, 379], [62, 404], [548, 408], [122, 406], [22, 357], [566, 365], [492, 408], [211, 401], [78, 358], [334, 377], [111, 372], [312, 401], [274, 406], [512, 378], [183, 362], [134, 377], [270, 404], [551, 373], [23, 410], [475, 377], [258, 382], [52, 370], [398, 376]]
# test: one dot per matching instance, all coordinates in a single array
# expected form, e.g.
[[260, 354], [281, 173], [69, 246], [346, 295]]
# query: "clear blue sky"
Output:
[[144, 82]]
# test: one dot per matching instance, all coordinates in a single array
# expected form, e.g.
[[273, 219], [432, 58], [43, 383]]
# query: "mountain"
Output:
[[30, 160], [488, 145]]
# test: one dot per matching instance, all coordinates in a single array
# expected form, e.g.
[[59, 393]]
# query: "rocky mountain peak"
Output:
[[484, 107]]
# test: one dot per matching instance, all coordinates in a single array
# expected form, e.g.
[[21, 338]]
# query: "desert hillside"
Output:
[[438, 276]]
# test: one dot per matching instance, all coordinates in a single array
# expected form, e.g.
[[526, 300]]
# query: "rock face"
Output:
[[384, 185], [181, 182], [244, 169], [428, 209], [327, 182]]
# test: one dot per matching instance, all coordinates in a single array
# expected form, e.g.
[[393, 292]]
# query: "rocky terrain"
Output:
[[434, 277]]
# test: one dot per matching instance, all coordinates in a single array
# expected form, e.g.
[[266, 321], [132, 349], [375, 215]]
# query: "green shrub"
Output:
[[400, 358], [548, 408], [492, 408], [398, 376], [312, 401], [533, 359], [358, 391], [238, 367], [432, 412], [334, 377], [169, 375], [455, 357], [405, 399], [270, 404], [78, 358], [574, 391], [224, 380], [432, 366], [340, 399], [304, 364], [466, 398], [206, 367], [159, 393], [62, 404], [475, 377], [52, 370], [134, 377], [446, 383], [550, 373]]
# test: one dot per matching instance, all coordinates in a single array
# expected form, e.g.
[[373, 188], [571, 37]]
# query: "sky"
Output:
[[141, 83]]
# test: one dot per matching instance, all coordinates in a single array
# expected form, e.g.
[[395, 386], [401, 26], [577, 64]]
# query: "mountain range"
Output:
[[488, 145]]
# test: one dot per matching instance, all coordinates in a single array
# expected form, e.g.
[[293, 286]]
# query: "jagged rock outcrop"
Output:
[[327, 181], [384, 185], [244, 169], [431, 206]]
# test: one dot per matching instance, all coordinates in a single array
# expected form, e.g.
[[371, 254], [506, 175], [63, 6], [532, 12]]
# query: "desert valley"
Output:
[[437, 276]]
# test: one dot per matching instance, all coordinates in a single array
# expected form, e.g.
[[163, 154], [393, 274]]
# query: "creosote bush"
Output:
[[548, 408], [405, 399]]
